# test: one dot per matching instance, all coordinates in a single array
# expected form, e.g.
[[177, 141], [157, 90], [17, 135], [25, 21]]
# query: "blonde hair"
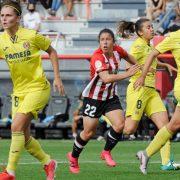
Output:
[[14, 5]]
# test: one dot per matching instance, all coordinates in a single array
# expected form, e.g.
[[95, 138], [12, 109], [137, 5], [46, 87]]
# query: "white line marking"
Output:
[[87, 162]]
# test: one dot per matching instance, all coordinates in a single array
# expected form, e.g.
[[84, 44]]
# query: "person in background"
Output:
[[154, 8], [32, 20], [55, 6]]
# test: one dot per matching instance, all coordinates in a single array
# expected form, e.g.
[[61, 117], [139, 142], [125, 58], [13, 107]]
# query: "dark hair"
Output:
[[106, 31], [14, 4], [34, 5], [126, 27]]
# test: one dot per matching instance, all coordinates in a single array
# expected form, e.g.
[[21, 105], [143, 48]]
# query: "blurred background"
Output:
[[73, 27]]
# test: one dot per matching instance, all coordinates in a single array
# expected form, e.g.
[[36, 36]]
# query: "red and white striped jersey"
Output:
[[96, 89]]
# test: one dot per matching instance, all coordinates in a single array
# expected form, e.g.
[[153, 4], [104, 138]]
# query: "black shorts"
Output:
[[95, 108]]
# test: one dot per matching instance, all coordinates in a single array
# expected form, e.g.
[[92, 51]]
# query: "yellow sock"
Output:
[[34, 148], [165, 153], [159, 140], [17, 145], [106, 119]]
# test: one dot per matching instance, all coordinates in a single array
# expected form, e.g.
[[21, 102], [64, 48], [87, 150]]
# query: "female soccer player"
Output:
[[147, 99], [100, 97], [170, 43], [21, 49]]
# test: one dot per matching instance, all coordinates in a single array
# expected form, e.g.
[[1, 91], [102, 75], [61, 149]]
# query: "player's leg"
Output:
[[161, 138], [76, 119], [130, 126], [165, 133], [92, 110], [34, 148], [113, 111], [114, 135], [20, 122], [158, 114], [136, 103], [33, 102], [81, 140]]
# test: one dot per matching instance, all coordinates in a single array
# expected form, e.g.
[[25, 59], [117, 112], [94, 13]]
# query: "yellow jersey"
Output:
[[140, 50], [23, 56], [171, 43]]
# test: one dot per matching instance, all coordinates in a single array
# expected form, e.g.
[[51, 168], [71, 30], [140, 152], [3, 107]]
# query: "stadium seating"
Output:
[[57, 115]]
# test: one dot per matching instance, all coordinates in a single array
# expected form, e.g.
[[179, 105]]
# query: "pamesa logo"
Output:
[[19, 56]]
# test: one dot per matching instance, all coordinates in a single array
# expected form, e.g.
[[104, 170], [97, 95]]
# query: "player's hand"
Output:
[[132, 70], [139, 83], [58, 86], [171, 69]]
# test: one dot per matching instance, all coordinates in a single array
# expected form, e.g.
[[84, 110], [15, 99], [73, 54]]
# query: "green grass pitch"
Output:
[[92, 168]]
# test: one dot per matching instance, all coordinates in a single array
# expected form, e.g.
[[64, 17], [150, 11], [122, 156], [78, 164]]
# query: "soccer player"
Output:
[[147, 99], [100, 97], [20, 48], [170, 43]]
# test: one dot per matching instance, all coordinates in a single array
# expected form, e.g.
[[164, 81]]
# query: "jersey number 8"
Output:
[[139, 104]]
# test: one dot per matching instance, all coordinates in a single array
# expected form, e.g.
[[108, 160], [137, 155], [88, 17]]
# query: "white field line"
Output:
[[87, 162]]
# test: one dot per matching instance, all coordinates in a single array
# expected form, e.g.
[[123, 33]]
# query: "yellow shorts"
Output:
[[146, 100], [30, 102], [177, 91]]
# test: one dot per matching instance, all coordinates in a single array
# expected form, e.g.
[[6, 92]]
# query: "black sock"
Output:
[[112, 139], [78, 146]]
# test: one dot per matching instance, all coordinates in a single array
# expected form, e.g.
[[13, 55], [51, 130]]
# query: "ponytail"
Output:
[[125, 28]]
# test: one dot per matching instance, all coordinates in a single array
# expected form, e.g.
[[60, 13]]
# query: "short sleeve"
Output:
[[123, 53], [42, 42], [166, 45], [98, 63]]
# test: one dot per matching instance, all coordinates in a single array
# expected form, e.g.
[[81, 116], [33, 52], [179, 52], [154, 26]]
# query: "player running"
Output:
[[20, 48], [147, 99], [100, 97], [170, 43]]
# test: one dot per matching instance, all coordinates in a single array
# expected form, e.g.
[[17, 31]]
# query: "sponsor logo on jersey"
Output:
[[18, 57]]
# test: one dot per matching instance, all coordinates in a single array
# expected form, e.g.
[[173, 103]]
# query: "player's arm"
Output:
[[57, 84], [130, 59], [125, 55], [109, 78], [166, 45], [167, 66]]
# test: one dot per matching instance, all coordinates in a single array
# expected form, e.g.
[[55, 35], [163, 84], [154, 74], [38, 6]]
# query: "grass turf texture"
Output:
[[92, 168]]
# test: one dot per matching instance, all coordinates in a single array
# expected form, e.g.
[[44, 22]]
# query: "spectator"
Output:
[[69, 7], [45, 3], [32, 19], [55, 6], [170, 9], [154, 8]]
